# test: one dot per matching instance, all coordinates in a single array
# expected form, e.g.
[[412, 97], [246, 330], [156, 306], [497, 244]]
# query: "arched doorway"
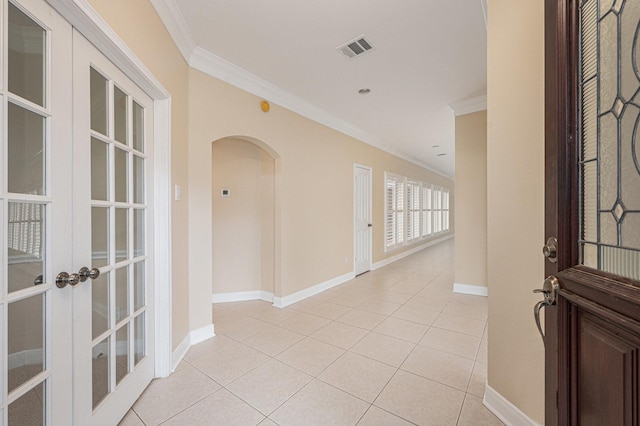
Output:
[[245, 220]]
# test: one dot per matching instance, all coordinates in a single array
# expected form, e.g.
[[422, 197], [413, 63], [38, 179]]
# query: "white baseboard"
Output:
[[26, 357], [242, 296], [281, 302], [475, 290], [404, 254], [194, 337], [508, 413]]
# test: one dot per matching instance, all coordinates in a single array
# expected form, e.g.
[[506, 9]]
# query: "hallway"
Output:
[[394, 346]]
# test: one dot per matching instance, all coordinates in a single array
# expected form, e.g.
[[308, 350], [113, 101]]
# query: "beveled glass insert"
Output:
[[25, 245], [99, 168], [138, 232], [122, 293], [589, 202], [138, 180], [139, 338], [122, 234], [29, 409], [99, 104], [138, 285], [26, 150], [138, 127], [120, 115], [26, 65], [100, 357], [122, 353], [99, 304], [121, 174], [25, 326], [99, 237]]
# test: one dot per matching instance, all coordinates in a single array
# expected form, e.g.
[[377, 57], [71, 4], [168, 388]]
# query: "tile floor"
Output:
[[394, 346]]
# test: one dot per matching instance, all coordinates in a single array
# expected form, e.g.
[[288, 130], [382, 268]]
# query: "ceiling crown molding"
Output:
[[467, 106], [177, 27]]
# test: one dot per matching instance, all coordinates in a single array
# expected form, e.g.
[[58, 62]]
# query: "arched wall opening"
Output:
[[245, 220]]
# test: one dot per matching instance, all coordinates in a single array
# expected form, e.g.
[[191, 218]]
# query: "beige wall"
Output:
[[137, 23], [243, 227], [515, 183], [471, 199]]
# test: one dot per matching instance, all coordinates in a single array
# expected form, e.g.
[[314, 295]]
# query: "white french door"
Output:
[[75, 191], [362, 219]]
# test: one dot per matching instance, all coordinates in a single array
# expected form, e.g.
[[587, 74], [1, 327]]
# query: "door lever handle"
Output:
[[549, 289]]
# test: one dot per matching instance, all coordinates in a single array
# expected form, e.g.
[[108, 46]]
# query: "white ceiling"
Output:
[[428, 55]]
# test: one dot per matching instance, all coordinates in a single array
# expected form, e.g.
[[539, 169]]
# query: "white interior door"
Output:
[[75, 190], [362, 220], [113, 319]]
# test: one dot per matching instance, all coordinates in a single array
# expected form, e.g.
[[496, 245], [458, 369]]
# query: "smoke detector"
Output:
[[356, 47]]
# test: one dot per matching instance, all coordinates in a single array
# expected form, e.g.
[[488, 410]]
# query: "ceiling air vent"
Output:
[[356, 47]]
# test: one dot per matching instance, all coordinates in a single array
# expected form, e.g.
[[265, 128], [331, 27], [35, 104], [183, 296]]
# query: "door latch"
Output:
[[550, 250], [549, 291]]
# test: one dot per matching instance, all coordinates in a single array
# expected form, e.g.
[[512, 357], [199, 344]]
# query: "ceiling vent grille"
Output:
[[357, 47]]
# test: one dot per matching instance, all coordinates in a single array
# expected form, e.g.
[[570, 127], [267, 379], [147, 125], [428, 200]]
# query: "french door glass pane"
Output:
[[99, 236], [100, 304], [139, 338], [121, 174], [609, 153], [100, 357], [120, 115], [99, 102], [138, 127], [26, 65], [139, 288], [122, 353], [26, 151], [99, 167], [122, 234], [26, 244], [25, 341], [138, 179], [122, 293], [29, 408], [138, 232]]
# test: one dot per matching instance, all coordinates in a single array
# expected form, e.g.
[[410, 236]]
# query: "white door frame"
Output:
[[84, 18], [370, 170]]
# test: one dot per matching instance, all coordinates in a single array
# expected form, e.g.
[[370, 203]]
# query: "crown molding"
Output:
[[177, 27], [467, 106]]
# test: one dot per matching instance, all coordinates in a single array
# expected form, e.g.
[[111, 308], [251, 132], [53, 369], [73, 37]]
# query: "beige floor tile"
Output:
[[350, 300], [464, 325], [268, 422], [131, 419], [402, 329], [221, 408], [275, 315], [320, 404], [166, 397], [379, 307], [358, 375], [427, 302], [378, 417], [362, 319], [304, 323], [389, 296], [249, 307], [469, 299], [269, 385], [478, 380], [474, 413], [483, 351], [383, 348], [230, 362], [341, 335], [442, 367], [419, 315], [273, 340], [328, 310], [208, 347], [404, 288], [241, 327], [420, 400], [436, 293], [452, 342], [478, 312], [310, 355]]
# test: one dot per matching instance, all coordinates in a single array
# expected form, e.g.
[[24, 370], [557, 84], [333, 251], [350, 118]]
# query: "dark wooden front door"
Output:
[[592, 343]]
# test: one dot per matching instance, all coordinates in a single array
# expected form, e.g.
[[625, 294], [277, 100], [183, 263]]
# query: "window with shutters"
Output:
[[427, 210], [413, 210], [394, 211]]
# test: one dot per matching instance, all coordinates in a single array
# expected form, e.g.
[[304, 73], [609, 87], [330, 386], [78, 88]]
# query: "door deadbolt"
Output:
[[550, 250]]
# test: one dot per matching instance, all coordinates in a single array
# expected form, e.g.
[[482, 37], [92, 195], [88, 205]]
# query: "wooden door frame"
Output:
[[561, 180]]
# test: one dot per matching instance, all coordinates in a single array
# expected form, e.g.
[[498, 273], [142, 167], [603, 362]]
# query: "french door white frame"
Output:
[[85, 19]]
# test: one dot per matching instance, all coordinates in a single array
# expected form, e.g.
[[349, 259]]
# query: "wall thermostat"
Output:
[[225, 193]]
